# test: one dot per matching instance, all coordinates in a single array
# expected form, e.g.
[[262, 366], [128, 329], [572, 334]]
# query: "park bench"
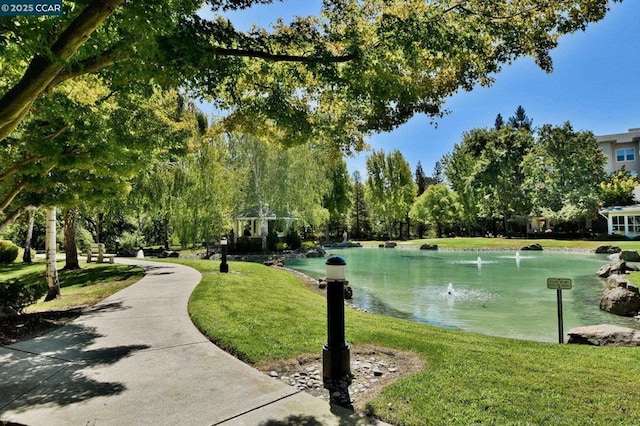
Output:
[[97, 251]]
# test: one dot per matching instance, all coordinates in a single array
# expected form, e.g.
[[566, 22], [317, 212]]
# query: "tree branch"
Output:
[[89, 66], [13, 194], [274, 57], [42, 71], [11, 217], [17, 166]]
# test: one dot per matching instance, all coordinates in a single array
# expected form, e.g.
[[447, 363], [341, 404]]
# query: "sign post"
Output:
[[559, 284]]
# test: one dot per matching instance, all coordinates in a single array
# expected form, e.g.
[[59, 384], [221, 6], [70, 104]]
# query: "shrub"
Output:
[[8, 251], [308, 245], [15, 295], [293, 240], [281, 246], [272, 241]]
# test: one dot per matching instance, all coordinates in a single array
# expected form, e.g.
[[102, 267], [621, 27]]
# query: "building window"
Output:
[[634, 224], [618, 223], [625, 154]]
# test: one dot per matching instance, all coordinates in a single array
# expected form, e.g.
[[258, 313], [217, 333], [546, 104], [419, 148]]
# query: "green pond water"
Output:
[[497, 293]]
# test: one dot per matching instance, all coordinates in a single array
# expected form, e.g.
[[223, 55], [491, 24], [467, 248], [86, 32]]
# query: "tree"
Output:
[[26, 257], [437, 206], [287, 182], [421, 179], [390, 187], [499, 122], [338, 201], [438, 174], [53, 283], [519, 120], [496, 175], [358, 68], [70, 248], [564, 171], [459, 168], [618, 189], [360, 220], [380, 63]]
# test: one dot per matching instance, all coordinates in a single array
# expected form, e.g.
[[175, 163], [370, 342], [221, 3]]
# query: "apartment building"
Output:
[[622, 150]]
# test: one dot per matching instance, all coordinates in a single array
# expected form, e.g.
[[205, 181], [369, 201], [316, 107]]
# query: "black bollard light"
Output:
[[224, 267], [336, 368]]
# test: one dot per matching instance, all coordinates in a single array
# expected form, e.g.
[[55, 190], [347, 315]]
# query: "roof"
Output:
[[268, 215], [630, 136], [634, 208]]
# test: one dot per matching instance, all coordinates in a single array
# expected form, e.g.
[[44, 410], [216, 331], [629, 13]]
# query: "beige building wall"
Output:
[[621, 149]]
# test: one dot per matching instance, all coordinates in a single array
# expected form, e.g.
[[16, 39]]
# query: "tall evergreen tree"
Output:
[[360, 216], [421, 179], [499, 122], [520, 120]]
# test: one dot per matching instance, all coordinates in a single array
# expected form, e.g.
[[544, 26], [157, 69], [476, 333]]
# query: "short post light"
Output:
[[224, 266], [336, 368]]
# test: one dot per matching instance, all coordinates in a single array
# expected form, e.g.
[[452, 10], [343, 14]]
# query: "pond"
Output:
[[498, 293]]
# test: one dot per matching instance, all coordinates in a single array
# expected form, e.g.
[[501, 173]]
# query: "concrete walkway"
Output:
[[136, 358]]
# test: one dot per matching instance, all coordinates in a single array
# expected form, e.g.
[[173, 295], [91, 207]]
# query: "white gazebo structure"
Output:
[[255, 226], [622, 220]]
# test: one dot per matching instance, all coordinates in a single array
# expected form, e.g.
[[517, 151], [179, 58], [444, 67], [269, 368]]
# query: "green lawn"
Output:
[[79, 288], [260, 313], [504, 243]]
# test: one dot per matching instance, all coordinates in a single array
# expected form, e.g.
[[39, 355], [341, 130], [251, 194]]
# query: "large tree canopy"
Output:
[[360, 66]]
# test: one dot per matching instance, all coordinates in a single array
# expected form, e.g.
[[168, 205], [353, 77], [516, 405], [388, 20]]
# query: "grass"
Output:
[[260, 314], [79, 288], [504, 243]]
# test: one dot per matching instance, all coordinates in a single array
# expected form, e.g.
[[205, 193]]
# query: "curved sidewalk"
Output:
[[136, 358]]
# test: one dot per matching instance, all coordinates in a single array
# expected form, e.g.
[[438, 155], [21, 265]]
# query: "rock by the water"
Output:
[[348, 293], [274, 262], [604, 335], [390, 244], [630, 256], [608, 249], [604, 271], [169, 253], [535, 246], [620, 300], [429, 247]]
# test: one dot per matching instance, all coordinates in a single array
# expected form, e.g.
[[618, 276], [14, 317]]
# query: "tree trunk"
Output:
[[99, 227], [70, 249], [165, 231], [26, 257], [53, 284]]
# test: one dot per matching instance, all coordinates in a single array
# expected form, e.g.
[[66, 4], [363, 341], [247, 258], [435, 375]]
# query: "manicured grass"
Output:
[[79, 288], [503, 243], [260, 313]]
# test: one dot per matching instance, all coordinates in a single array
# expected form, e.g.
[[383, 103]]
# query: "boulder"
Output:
[[429, 247], [275, 262], [620, 301], [534, 246], [604, 271], [390, 244], [630, 256], [608, 249], [604, 335], [348, 293]]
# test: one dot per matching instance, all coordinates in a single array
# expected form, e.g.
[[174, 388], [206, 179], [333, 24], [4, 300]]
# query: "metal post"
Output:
[[560, 321], [224, 267], [336, 363]]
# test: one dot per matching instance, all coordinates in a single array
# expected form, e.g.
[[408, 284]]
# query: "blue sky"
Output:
[[595, 85]]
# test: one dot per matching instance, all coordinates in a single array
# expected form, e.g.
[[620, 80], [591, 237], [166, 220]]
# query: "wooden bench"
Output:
[[97, 251]]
